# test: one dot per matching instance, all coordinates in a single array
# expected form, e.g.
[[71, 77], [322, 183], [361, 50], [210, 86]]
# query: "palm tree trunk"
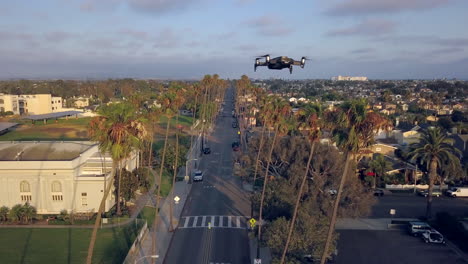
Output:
[[432, 176], [298, 199], [98, 217], [158, 198], [331, 228], [265, 181], [119, 211], [171, 228], [260, 147]]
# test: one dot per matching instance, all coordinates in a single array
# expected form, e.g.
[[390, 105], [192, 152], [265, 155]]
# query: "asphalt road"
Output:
[[390, 247], [213, 226], [414, 206]]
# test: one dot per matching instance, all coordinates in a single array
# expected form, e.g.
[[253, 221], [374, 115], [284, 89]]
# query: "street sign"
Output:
[[176, 199], [257, 261], [252, 222]]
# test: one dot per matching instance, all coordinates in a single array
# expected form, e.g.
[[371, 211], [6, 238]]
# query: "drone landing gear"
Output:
[[290, 68]]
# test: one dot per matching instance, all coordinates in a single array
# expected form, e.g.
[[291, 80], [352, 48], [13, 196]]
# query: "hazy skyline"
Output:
[[381, 39]]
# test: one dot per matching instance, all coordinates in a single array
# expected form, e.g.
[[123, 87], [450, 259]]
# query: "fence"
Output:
[[138, 239]]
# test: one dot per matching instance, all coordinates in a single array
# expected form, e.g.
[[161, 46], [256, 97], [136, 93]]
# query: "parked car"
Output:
[[433, 237], [235, 146], [378, 192], [417, 228], [458, 192], [198, 175], [425, 193]]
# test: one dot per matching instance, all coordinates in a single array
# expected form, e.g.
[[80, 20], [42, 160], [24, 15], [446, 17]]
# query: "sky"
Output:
[[186, 39]]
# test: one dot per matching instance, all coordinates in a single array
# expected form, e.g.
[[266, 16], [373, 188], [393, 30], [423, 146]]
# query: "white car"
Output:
[[433, 237], [198, 175]]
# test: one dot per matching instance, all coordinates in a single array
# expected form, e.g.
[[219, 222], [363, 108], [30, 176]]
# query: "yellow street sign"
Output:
[[252, 222]]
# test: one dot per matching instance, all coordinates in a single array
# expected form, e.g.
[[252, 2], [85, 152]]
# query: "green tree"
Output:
[[119, 130], [433, 149], [4, 210], [379, 165]]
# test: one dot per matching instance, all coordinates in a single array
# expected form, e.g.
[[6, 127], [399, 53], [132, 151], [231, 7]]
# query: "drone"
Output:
[[279, 63]]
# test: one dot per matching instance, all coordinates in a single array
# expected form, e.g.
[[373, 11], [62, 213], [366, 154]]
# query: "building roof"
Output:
[[52, 115], [6, 125], [43, 150]]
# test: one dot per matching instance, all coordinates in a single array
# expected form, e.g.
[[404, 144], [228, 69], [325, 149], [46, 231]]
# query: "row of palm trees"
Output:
[[352, 127], [128, 127]]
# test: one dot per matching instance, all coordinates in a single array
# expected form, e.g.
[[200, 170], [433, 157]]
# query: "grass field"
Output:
[[64, 245]]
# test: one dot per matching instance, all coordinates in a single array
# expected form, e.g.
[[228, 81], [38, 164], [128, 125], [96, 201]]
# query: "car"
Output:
[[206, 150], [433, 236], [198, 175], [234, 124], [235, 146], [417, 228], [378, 192], [435, 193]]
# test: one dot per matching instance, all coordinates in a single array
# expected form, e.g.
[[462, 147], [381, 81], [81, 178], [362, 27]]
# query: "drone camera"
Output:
[[303, 62], [267, 58]]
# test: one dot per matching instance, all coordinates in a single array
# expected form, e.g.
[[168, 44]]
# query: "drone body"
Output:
[[279, 63]]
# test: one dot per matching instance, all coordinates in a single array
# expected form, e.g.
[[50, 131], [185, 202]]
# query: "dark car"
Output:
[[234, 124], [235, 146], [378, 192], [206, 150]]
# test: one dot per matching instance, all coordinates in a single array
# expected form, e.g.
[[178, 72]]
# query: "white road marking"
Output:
[[221, 221], [229, 221], [186, 222], [195, 222], [209, 220], [238, 222], [212, 220], [203, 221]]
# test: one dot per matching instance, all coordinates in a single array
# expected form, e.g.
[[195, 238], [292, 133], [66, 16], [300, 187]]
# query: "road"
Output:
[[213, 226], [413, 206]]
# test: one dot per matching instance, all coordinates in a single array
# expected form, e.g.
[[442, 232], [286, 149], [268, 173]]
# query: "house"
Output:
[[461, 143], [56, 175]]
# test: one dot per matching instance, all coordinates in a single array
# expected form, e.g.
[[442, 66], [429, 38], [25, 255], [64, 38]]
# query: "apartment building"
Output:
[[53, 175], [30, 104], [349, 78]]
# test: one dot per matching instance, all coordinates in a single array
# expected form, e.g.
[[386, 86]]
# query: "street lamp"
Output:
[[186, 169], [148, 256]]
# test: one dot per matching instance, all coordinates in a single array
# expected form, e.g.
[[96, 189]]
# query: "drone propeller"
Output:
[[263, 56]]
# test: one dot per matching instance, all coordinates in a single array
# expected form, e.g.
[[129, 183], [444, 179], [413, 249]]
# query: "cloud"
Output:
[[369, 27], [159, 6], [445, 51], [424, 40], [365, 7], [141, 35], [363, 51], [58, 36], [167, 38], [268, 26], [8, 35], [243, 2]]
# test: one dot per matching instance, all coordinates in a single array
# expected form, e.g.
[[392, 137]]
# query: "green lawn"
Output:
[[147, 213], [64, 245]]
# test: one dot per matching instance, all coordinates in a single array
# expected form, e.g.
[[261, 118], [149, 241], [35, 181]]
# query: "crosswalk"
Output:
[[214, 221], [220, 263]]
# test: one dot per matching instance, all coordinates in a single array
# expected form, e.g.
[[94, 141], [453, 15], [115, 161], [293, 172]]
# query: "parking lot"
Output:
[[390, 247]]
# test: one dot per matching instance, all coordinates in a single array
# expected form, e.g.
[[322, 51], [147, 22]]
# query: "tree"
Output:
[[379, 165], [119, 130], [312, 127], [277, 118], [353, 128], [433, 150], [4, 213]]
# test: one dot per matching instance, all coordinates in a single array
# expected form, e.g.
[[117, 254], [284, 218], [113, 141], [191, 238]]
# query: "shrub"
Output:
[[4, 213]]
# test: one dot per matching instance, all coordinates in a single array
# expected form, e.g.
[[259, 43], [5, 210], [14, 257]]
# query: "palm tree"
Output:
[[354, 128], [119, 131], [433, 149], [379, 166], [312, 126], [277, 118]]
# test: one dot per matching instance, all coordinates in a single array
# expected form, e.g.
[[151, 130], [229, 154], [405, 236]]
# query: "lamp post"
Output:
[[186, 169], [148, 256]]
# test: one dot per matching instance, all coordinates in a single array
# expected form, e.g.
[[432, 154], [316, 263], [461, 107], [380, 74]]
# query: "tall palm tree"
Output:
[[433, 149], [312, 127], [277, 118], [119, 131], [354, 128]]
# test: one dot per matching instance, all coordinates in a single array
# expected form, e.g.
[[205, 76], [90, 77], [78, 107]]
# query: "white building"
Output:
[[53, 176], [349, 78], [30, 104]]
